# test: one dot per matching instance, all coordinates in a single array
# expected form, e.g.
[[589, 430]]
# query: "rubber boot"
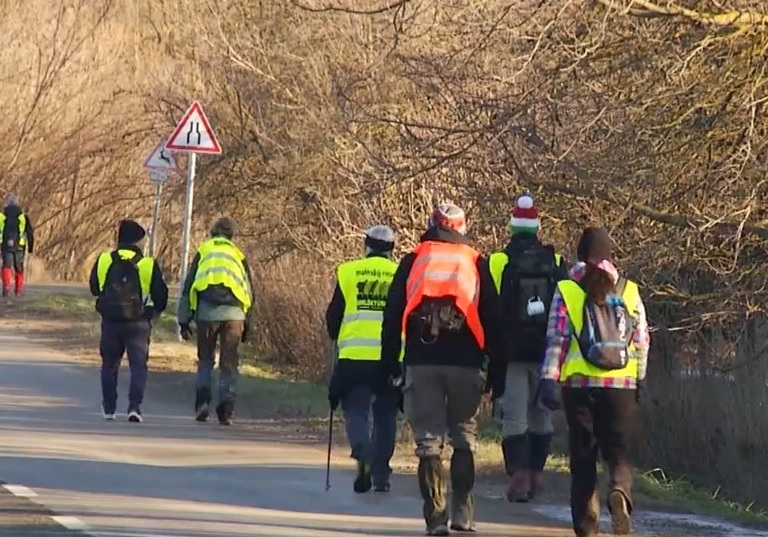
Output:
[[7, 276], [432, 486], [539, 445], [515, 449], [462, 482], [19, 283]]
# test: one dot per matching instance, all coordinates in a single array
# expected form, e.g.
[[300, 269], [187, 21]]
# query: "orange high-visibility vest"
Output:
[[445, 269]]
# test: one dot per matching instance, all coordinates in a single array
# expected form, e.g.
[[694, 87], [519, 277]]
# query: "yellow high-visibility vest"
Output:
[[22, 228], [575, 364], [364, 283], [221, 263], [498, 260], [145, 266]]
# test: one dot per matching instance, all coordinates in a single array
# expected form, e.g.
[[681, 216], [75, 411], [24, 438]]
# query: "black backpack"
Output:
[[528, 284], [121, 299], [11, 233]]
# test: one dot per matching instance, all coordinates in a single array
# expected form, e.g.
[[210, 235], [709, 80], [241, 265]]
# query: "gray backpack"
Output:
[[607, 332]]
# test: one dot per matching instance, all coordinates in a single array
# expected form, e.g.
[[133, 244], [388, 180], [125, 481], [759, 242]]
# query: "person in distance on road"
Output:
[[526, 275], [18, 238], [444, 301], [130, 291], [218, 296], [353, 319], [597, 350]]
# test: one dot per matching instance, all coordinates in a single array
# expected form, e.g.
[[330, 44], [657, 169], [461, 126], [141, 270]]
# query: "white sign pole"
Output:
[[155, 218], [188, 217]]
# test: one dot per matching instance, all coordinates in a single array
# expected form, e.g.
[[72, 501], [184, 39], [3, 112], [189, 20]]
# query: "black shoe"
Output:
[[363, 479], [225, 413], [202, 412], [134, 415]]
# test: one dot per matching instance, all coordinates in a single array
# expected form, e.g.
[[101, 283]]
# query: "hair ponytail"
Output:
[[597, 284]]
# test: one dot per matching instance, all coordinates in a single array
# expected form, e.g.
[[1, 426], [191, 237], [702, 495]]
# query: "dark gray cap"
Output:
[[224, 227]]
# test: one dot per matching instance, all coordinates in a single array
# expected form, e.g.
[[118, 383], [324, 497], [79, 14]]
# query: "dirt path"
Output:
[[67, 324]]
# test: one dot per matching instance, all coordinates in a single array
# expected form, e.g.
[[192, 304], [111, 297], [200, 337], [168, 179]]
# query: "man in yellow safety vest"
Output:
[[353, 321], [218, 296], [18, 238]]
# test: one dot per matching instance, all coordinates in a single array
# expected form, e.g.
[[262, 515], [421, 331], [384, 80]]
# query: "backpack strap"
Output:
[[621, 285]]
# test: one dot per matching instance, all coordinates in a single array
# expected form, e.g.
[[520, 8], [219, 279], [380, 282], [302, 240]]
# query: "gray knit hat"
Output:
[[11, 200]]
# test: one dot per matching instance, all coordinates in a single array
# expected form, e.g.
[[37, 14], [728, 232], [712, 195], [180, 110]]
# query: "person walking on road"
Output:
[[130, 291], [353, 319], [218, 296], [18, 239], [598, 352], [526, 275], [444, 301]]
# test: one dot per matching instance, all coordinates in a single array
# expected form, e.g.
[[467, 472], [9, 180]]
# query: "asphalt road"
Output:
[[171, 476]]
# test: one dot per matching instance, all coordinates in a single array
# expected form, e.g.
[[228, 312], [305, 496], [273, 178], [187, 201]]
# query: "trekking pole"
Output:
[[330, 445]]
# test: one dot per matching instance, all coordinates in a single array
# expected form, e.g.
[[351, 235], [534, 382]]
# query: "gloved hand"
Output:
[[185, 331], [640, 390], [246, 331], [548, 394]]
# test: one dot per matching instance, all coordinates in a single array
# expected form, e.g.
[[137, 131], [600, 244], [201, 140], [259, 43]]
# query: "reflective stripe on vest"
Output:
[[364, 283], [145, 266], [22, 228], [498, 260], [221, 263], [444, 269], [575, 364]]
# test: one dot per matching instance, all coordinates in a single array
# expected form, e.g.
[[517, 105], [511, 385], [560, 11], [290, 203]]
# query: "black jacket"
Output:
[[350, 373], [459, 349], [12, 213], [158, 290]]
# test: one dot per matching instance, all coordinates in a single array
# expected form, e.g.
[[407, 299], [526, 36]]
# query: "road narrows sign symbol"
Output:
[[161, 159], [194, 133]]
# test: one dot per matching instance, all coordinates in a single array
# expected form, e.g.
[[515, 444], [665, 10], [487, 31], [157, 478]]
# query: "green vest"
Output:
[[22, 228], [145, 266], [221, 263]]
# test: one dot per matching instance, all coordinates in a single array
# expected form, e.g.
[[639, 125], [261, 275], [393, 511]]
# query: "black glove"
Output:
[[185, 331], [246, 330], [639, 391], [334, 402], [548, 394]]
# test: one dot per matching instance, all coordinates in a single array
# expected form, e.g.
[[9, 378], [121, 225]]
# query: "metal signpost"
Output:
[[159, 164], [192, 135]]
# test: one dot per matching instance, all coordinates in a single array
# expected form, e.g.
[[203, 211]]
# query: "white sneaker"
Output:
[[134, 416], [108, 417]]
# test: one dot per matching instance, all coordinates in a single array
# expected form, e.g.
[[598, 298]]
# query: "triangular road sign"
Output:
[[161, 159], [193, 133]]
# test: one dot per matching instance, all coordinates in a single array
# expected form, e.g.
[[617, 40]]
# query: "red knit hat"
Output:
[[525, 216]]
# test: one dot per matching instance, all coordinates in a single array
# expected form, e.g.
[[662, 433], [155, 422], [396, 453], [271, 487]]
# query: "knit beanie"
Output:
[[525, 216], [449, 216], [130, 232], [595, 243]]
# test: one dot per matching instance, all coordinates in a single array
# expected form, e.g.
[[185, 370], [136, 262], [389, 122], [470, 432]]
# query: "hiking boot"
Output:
[[440, 529], [225, 413], [134, 415], [619, 509], [202, 412], [537, 484], [363, 479], [519, 486]]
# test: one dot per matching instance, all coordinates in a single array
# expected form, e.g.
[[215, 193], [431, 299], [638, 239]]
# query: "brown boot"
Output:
[[519, 486], [537, 484]]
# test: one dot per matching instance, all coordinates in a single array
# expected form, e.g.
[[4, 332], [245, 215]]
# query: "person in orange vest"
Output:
[[444, 305]]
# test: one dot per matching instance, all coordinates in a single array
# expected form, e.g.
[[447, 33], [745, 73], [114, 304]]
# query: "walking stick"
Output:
[[330, 445]]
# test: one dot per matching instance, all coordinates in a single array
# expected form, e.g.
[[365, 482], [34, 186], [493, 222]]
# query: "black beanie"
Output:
[[130, 232], [595, 243]]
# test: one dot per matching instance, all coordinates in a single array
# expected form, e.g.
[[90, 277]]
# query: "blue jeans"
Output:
[[376, 445]]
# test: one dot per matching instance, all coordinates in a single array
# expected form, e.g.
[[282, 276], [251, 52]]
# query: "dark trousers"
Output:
[[228, 335], [14, 259], [375, 445], [131, 338], [604, 421]]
